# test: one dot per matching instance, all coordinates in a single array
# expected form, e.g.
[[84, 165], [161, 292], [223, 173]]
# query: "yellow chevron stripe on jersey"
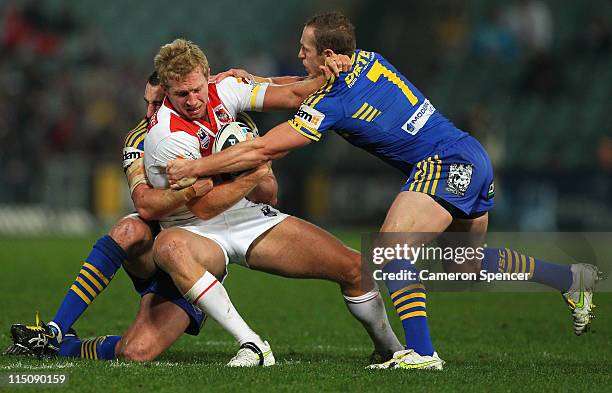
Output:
[[319, 94], [360, 110], [373, 116], [297, 125], [143, 125], [366, 113], [320, 90], [140, 139], [137, 135]]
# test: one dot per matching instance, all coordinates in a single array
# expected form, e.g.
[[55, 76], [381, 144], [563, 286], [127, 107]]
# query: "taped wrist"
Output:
[[188, 193], [136, 174]]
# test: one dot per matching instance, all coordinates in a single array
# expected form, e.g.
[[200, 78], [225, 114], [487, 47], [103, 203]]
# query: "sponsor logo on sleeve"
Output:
[[310, 117], [130, 155]]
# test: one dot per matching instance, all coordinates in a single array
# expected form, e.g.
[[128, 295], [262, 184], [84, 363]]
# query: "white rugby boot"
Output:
[[579, 297], [409, 359], [252, 355]]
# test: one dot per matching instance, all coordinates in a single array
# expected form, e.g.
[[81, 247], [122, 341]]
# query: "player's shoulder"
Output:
[[137, 134], [229, 84], [167, 121], [325, 96]]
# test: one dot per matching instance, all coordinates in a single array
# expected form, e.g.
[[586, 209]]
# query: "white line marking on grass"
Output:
[[20, 365]]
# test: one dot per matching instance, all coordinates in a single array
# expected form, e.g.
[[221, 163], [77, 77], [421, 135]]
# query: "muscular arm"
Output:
[[275, 144], [153, 204], [276, 80], [290, 96], [266, 191], [227, 194]]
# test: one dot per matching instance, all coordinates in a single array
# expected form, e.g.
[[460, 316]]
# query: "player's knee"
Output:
[[351, 269], [168, 246], [137, 351], [132, 234]]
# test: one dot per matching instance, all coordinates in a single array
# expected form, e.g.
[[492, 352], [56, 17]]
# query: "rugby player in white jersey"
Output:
[[193, 251], [163, 314]]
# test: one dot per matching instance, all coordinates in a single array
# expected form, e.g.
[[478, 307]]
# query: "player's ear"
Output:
[[328, 52]]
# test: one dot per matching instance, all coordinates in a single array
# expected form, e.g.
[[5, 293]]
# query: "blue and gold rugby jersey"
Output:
[[133, 146], [376, 108]]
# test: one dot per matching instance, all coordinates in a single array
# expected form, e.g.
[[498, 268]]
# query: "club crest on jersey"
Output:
[[459, 178], [204, 139], [222, 115]]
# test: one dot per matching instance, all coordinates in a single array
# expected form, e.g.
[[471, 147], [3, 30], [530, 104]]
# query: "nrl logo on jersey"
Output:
[[204, 139], [222, 115], [459, 178]]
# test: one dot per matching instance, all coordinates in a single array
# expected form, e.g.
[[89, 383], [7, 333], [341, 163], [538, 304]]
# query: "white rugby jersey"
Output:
[[171, 136]]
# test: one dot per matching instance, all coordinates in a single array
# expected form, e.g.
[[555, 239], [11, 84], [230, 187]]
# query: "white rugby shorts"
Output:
[[235, 229]]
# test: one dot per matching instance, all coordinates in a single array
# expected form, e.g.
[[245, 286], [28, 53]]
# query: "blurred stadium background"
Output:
[[532, 79]]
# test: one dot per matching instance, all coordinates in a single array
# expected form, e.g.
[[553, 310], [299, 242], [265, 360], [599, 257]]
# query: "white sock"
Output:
[[210, 296], [369, 309]]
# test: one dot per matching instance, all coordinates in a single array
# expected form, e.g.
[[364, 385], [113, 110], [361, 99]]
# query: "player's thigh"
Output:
[[296, 248], [467, 234], [418, 216], [176, 246], [158, 324]]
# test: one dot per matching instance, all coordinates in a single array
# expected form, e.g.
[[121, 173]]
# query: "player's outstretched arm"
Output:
[[225, 195], [244, 74], [290, 96], [275, 144]]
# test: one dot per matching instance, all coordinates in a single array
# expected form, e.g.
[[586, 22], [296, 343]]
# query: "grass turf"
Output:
[[491, 341]]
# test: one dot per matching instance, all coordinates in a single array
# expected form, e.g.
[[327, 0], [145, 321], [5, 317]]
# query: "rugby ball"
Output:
[[230, 135]]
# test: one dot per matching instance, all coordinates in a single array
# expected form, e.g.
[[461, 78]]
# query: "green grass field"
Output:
[[491, 341]]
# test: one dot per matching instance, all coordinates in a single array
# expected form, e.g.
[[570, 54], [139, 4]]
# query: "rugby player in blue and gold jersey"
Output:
[[449, 183]]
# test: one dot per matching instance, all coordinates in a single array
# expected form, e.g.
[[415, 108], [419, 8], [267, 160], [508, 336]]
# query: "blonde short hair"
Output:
[[178, 59]]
